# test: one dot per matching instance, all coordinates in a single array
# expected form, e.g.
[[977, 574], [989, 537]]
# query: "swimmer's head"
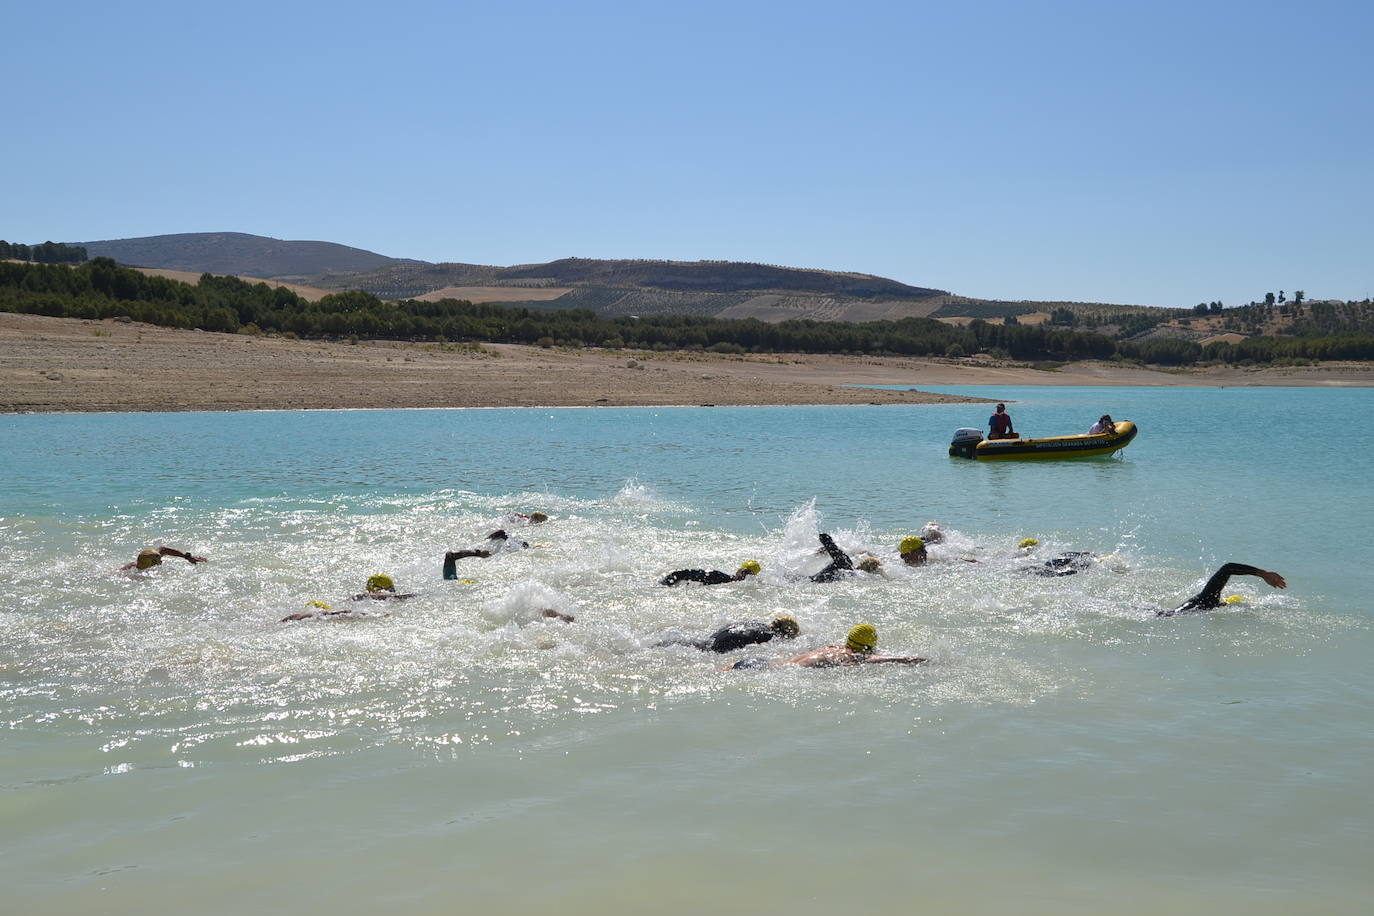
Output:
[[319, 604], [749, 568], [913, 550], [870, 564], [147, 559], [537, 517], [862, 638], [498, 535], [786, 626], [381, 582], [1234, 599], [932, 533], [1027, 543]]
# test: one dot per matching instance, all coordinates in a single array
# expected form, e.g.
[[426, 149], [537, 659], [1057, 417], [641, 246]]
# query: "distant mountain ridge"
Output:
[[609, 287], [238, 253], [340, 267]]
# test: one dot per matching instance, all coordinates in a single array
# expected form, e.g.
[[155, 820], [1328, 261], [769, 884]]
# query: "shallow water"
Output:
[[167, 744]]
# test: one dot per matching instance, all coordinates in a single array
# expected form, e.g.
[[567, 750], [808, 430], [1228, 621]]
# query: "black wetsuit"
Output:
[[714, 577], [1066, 564], [500, 543], [728, 638], [840, 564], [1210, 596]]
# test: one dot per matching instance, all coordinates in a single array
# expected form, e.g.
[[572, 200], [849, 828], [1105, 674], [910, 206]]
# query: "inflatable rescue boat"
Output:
[[969, 443]]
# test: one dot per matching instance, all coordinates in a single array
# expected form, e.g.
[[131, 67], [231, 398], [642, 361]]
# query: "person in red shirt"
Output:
[[999, 424]]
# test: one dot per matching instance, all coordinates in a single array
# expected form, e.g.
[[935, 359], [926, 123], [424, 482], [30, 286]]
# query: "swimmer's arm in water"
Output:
[[453, 556], [551, 613], [714, 577], [181, 554], [893, 659], [1210, 596], [384, 596], [310, 615]]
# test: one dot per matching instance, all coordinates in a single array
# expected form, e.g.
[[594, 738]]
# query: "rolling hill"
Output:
[[727, 289], [237, 253]]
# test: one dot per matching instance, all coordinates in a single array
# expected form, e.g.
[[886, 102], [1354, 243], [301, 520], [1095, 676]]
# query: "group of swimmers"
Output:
[[861, 643]]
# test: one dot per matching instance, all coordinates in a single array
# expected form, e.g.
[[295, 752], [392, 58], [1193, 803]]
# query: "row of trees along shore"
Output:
[[46, 253], [102, 289]]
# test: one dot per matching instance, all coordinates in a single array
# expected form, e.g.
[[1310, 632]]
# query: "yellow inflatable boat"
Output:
[[969, 443]]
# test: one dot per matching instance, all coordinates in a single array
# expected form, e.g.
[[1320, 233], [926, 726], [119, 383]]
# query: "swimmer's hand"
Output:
[[1273, 578]]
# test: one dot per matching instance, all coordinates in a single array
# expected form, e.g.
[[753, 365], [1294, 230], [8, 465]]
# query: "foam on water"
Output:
[[192, 665]]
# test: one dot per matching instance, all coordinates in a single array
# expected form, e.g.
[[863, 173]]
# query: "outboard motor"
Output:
[[966, 439]]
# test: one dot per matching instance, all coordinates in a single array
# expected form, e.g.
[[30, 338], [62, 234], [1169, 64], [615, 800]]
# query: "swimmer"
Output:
[[499, 540], [149, 558], [913, 550], [932, 533], [555, 615], [840, 563], [1210, 596], [858, 649], [324, 610], [1069, 563], [713, 577], [521, 518], [738, 635], [381, 587], [871, 565]]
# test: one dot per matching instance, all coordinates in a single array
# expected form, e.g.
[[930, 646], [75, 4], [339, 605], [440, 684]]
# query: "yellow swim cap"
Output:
[[910, 544], [319, 604], [750, 567], [1028, 542], [148, 559], [785, 625], [863, 638], [380, 583], [1234, 599], [467, 581]]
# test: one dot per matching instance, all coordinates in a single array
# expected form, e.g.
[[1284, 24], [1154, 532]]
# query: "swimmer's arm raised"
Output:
[[173, 552]]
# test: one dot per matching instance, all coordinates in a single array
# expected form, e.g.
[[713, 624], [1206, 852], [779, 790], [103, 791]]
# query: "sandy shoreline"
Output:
[[74, 365]]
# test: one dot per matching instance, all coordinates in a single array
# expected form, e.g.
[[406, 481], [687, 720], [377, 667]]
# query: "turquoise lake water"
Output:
[[168, 745]]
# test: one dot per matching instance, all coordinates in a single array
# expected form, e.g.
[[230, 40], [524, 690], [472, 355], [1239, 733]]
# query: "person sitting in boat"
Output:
[[149, 558], [1104, 425], [859, 649], [999, 424], [738, 635], [712, 577], [1210, 597]]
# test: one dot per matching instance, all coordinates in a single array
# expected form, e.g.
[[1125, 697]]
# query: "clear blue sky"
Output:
[[1155, 153]]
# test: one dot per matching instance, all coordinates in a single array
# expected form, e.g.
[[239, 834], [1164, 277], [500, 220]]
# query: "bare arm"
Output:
[[894, 659]]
